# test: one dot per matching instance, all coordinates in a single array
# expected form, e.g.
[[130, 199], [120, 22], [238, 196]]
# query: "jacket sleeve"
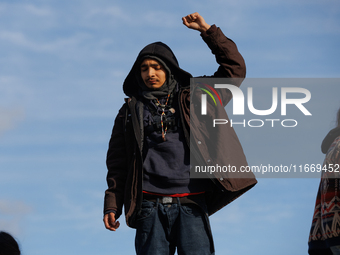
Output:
[[116, 162], [231, 62]]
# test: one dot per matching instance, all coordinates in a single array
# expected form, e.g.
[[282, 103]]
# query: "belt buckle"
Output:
[[166, 200]]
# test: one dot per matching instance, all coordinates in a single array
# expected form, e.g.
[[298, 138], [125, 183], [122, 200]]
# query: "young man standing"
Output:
[[148, 158]]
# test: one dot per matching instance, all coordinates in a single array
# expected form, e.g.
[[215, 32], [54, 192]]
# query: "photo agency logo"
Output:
[[209, 90], [294, 98]]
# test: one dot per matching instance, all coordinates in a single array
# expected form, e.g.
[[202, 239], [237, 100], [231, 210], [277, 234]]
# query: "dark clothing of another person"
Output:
[[325, 229]]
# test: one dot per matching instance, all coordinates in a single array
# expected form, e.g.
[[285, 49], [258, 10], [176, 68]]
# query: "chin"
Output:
[[154, 87]]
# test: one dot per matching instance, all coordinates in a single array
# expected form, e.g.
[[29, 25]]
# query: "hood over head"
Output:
[[329, 139], [162, 51]]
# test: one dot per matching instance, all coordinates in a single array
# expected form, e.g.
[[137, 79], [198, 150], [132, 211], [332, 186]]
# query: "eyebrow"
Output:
[[153, 65]]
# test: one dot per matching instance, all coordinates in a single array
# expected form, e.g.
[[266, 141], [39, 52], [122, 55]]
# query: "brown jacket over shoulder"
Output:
[[124, 156]]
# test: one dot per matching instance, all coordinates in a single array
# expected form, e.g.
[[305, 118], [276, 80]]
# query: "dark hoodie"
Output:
[[166, 164], [131, 84], [329, 139]]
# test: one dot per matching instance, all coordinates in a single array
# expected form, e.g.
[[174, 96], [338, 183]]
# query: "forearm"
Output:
[[227, 55], [116, 162], [231, 62], [114, 195]]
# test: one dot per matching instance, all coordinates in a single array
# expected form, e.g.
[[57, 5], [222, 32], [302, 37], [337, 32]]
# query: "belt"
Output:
[[192, 199]]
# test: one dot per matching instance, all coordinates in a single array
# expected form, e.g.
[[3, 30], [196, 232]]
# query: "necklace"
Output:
[[163, 116]]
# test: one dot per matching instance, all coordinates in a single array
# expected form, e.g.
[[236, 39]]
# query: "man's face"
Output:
[[153, 73]]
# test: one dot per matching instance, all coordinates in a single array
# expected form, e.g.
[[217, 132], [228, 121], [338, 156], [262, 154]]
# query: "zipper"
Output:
[[193, 147]]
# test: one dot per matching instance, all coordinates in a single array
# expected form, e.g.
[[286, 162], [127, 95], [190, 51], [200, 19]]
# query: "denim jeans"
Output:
[[161, 228], [335, 250]]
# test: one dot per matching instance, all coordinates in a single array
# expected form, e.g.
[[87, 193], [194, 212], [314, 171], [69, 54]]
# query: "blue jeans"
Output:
[[335, 250], [163, 227]]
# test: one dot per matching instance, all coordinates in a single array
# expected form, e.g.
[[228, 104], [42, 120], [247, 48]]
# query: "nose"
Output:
[[151, 72]]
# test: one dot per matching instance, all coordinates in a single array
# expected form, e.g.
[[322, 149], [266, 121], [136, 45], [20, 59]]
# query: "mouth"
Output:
[[152, 81]]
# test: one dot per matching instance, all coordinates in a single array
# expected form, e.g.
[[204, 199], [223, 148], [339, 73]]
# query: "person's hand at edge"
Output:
[[110, 221]]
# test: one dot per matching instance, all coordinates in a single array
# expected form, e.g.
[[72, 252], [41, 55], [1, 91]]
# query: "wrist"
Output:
[[204, 28], [110, 211]]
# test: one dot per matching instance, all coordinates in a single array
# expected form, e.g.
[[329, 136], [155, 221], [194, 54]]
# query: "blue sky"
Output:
[[62, 64]]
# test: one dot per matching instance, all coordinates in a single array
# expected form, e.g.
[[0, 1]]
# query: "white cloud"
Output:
[[13, 207], [37, 11], [114, 11], [9, 118], [14, 37], [134, 18], [12, 214], [25, 8], [72, 214], [20, 39], [163, 19]]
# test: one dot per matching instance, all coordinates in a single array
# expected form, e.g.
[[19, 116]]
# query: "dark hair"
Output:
[[8, 245], [338, 118]]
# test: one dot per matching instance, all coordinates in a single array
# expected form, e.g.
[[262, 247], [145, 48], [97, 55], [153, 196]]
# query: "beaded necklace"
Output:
[[163, 116]]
